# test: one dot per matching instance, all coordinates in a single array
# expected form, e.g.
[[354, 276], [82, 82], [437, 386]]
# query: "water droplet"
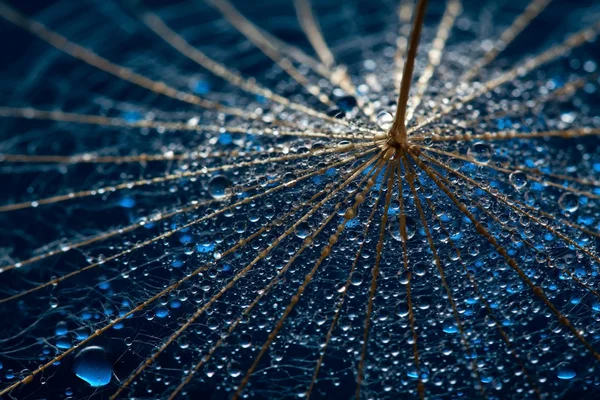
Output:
[[565, 371], [356, 279], [485, 377], [240, 226], [518, 179], [162, 312], [302, 230], [210, 371], [402, 309], [394, 228], [568, 117], [348, 104], [450, 327], [53, 302], [480, 152], [219, 186], [245, 341], [61, 328], [419, 269], [184, 342], [234, 369], [404, 277], [385, 120], [569, 202], [91, 366], [212, 323]]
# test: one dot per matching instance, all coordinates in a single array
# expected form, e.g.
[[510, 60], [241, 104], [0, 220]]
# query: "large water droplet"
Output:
[[212, 323], [245, 341], [565, 371], [234, 369], [356, 278], [420, 268], [518, 179], [480, 152], [402, 309], [92, 367], [302, 230], [404, 277], [569, 202], [218, 187], [385, 120], [450, 327], [394, 228], [348, 104]]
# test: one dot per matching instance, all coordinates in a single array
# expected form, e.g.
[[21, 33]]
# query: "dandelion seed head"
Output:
[[218, 199]]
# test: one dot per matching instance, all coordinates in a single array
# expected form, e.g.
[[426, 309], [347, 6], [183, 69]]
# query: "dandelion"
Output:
[[403, 204]]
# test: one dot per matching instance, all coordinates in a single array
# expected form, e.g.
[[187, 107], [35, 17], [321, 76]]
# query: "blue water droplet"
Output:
[[205, 247], [185, 239], [412, 374], [565, 371], [450, 328], [219, 186], [92, 367], [127, 202], [62, 342], [61, 328], [225, 139], [162, 312], [201, 87]]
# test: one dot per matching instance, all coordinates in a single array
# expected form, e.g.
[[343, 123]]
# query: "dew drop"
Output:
[[356, 279], [385, 120], [348, 104], [53, 302], [394, 228], [450, 327], [480, 152], [518, 179], [404, 277], [61, 328], [565, 371], [419, 269], [210, 371], [568, 202], [184, 342], [402, 309], [91, 366], [212, 323], [234, 369], [302, 230], [245, 341], [218, 187]]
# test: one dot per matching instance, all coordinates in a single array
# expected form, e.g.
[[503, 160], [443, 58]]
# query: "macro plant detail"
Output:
[[300, 199]]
